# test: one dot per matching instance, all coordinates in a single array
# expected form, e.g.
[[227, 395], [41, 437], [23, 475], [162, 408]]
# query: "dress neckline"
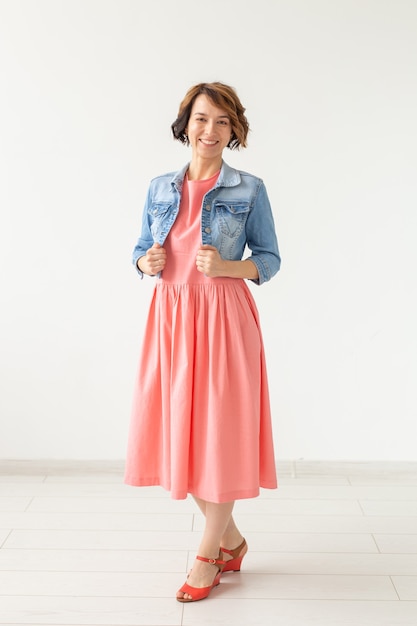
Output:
[[203, 180]]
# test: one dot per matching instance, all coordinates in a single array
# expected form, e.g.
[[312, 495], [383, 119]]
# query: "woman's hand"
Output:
[[209, 262], [153, 261]]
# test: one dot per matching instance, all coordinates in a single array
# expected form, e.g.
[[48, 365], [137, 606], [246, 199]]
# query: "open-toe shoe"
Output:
[[199, 593]]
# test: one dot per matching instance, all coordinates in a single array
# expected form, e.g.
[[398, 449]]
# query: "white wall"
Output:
[[89, 89]]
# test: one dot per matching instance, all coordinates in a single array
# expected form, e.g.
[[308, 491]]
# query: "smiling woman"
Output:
[[201, 422], [222, 97], [208, 131]]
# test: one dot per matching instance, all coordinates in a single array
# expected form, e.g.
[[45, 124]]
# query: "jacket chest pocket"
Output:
[[232, 217], [157, 213]]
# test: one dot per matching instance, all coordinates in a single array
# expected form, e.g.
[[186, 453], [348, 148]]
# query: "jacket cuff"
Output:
[[135, 263], [263, 270]]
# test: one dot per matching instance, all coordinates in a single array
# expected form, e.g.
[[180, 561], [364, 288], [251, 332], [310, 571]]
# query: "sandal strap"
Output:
[[217, 561], [234, 553]]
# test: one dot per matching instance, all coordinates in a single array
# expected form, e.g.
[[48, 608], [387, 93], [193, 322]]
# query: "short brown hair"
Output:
[[222, 96]]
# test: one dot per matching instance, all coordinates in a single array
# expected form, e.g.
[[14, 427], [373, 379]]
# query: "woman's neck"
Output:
[[203, 169]]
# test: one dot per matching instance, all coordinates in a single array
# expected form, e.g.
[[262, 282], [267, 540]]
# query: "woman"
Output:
[[201, 421]]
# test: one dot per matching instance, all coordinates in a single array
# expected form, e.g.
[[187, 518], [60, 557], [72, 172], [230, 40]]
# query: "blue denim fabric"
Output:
[[236, 213]]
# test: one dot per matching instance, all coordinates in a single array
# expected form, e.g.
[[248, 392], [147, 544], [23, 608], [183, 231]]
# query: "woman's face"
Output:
[[209, 129]]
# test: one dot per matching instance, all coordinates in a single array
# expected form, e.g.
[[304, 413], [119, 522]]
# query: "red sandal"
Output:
[[234, 564], [199, 593]]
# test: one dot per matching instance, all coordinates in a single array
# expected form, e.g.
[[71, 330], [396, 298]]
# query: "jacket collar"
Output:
[[228, 177]]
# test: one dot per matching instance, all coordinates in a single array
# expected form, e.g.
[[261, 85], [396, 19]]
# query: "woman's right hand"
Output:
[[153, 261]]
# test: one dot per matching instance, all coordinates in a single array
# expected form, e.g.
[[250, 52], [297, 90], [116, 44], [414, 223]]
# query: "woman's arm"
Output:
[[261, 238]]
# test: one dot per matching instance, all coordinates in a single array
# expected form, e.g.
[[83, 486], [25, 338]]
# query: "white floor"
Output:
[[335, 545]]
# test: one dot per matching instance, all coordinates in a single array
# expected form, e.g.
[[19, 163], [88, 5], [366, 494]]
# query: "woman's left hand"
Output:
[[209, 262]]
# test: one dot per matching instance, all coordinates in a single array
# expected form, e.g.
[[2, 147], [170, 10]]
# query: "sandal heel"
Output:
[[234, 564]]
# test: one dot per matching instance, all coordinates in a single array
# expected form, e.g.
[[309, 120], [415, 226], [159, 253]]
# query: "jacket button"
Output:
[[208, 207], [207, 230]]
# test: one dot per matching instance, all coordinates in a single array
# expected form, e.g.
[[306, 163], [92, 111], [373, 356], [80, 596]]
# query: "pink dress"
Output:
[[201, 420]]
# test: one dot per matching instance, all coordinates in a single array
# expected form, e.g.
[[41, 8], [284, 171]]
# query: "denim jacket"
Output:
[[235, 213]]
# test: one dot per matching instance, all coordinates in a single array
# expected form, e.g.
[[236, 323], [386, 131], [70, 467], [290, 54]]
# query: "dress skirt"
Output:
[[201, 421]]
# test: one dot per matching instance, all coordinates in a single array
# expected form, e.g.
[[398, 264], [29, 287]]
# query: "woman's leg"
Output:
[[231, 537], [217, 521]]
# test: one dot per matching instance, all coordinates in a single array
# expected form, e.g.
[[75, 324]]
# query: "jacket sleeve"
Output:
[[261, 237], [145, 240]]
